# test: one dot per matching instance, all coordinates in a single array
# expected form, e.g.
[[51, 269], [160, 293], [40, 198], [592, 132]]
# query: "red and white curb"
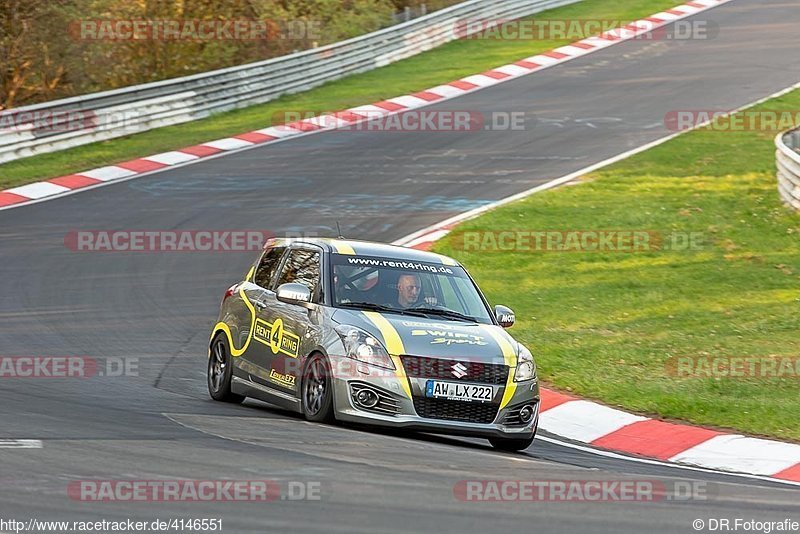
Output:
[[63, 185]]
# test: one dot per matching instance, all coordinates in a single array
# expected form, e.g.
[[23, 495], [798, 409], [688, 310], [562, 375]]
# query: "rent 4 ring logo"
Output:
[[66, 367], [276, 337]]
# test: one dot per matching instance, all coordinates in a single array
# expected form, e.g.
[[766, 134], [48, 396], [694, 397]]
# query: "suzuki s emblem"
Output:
[[458, 370]]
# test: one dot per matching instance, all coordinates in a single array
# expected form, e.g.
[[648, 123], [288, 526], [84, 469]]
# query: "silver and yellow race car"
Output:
[[372, 333]]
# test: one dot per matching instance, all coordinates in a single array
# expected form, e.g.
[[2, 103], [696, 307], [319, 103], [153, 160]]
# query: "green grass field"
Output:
[[606, 324], [444, 64]]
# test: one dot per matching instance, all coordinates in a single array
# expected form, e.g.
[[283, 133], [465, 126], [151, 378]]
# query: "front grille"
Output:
[[471, 412], [475, 372]]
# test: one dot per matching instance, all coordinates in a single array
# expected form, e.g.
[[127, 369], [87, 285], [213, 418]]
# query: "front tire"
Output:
[[511, 444], [317, 390], [220, 372]]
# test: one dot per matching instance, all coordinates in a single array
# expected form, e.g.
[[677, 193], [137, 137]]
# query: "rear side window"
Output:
[[267, 266], [301, 267]]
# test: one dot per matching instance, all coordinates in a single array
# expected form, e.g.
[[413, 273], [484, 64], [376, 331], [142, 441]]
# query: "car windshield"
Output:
[[406, 287]]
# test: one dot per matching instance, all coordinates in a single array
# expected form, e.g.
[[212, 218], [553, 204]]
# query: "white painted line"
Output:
[[480, 80], [326, 121], [107, 174], [428, 238], [512, 70], [545, 61], [740, 453], [621, 33], [616, 456], [20, 444], [369, 111], [229, 143], [447, 91], [573, 50], [278, 131], [597, 42], [38, 190], [585, 421], [663, 15], [171, 158], [407, 101]]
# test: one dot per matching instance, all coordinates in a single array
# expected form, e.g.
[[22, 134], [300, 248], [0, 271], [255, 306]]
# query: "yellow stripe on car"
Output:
[[225, 328], [448, 261], [510, 356], [394, 344], [342, 247]]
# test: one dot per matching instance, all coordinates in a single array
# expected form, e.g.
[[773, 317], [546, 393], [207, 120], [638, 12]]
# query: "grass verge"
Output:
[[609, 325], [442, 65]]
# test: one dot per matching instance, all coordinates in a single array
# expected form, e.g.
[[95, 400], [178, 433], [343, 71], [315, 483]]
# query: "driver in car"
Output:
[[408, 291]]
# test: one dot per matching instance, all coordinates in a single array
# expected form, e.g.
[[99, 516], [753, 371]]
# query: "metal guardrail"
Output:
[[109, 114], [788, 160]]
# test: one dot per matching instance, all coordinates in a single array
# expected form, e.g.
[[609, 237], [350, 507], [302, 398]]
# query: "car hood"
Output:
[[436, 338]]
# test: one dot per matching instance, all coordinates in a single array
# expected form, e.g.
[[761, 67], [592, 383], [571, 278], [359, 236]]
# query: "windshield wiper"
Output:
[[445, 313], [378, 307], [368, 305]]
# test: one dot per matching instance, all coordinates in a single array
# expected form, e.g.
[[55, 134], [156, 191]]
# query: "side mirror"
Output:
[[292, 293], [505, 316]]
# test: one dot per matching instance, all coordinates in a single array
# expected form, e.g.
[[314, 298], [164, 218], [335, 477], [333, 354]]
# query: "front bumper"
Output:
[[406, 415]]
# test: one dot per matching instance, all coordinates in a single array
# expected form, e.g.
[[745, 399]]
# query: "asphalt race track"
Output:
[[158, 308]]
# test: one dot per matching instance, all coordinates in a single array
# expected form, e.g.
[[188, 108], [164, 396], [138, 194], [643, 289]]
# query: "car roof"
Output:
[[358, 247]]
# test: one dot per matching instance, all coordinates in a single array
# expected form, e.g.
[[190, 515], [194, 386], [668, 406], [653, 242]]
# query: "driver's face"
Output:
[[408, 287]]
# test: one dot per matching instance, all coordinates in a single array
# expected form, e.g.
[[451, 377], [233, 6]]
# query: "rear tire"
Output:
[[317, 390], [220, 372], [511, 444]]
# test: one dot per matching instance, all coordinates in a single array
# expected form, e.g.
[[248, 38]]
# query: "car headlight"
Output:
[[364, 347], [526, 367]]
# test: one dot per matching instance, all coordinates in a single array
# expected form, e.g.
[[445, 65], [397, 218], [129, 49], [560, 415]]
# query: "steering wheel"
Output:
[[424, 303]]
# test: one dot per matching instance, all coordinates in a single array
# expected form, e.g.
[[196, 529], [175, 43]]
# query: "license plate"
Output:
[[456, 391]]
